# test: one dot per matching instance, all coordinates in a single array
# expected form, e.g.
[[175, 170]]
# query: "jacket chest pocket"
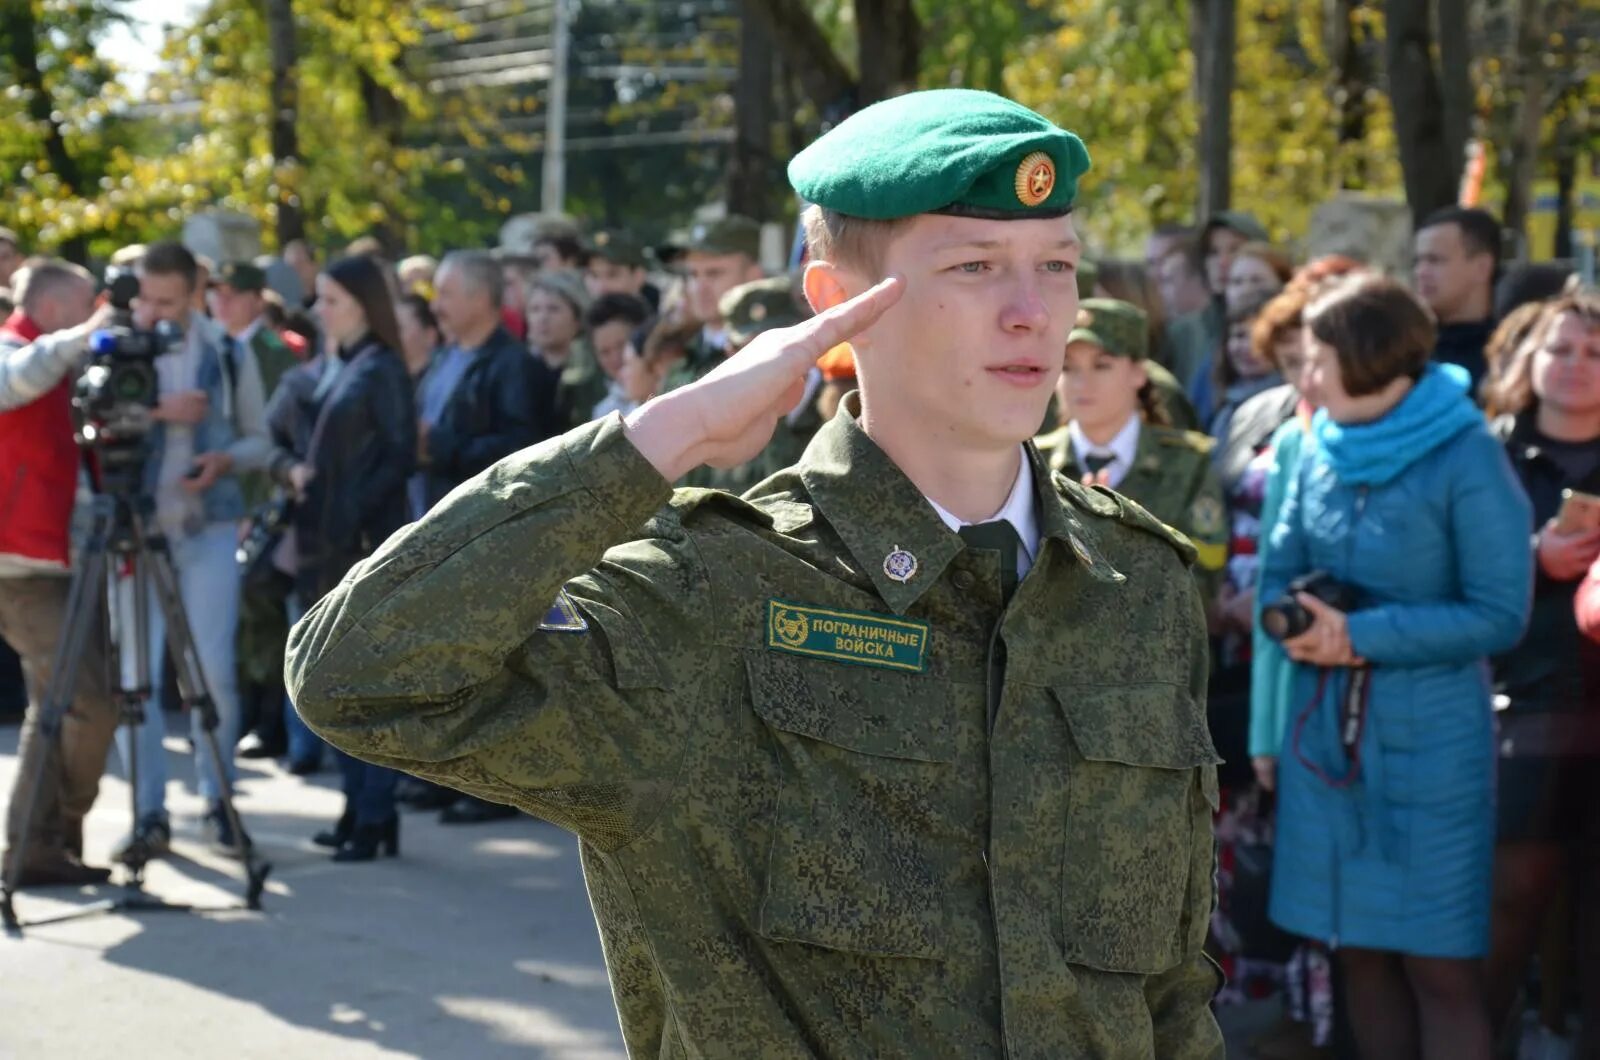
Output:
[[864, 827], [1137, 869]]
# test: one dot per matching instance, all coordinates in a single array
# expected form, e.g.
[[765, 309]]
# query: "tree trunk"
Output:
[[824, 78], [888, 45], [1352, 80], [1430, 118], [1530, 78], [21, 33], [1216, 108], [285, 114], [749, 165], [1566, 189], [387, 115]]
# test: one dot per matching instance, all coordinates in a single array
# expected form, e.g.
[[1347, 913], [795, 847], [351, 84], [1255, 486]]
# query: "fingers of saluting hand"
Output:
[[814, 337]]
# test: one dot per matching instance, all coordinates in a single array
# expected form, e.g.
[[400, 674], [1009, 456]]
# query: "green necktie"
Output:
[[998, 536], [1094, 463]]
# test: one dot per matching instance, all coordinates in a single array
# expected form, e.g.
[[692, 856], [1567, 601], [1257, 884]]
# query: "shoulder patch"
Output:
[[564, 617]]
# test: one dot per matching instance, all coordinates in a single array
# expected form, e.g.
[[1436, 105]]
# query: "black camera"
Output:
[[1287, 618], [114, 394], [267, 524]]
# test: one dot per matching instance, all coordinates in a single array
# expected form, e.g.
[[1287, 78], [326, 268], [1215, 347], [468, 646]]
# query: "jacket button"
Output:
[[963, 580]]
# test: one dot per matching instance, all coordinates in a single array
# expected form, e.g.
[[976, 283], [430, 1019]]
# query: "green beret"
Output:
[[620, 247], [947, 150], [241, 276], [732, 234], [1120, 328], [761, 305]]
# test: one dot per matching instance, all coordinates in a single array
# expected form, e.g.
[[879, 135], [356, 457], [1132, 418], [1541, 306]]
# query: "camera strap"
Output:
[[1352, 723]]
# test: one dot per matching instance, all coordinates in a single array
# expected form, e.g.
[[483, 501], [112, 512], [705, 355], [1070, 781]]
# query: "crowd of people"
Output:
[[1403, 600]]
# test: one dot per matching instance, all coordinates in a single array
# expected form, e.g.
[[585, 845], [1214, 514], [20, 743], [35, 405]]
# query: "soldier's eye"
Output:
[[973, 268], [1059, 266]]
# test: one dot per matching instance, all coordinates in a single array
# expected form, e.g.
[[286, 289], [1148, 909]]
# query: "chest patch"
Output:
[[564, 617], [847, 636]]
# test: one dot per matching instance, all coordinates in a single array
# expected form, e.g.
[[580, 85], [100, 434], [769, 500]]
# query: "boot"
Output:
[[365, 842], [340, 832]]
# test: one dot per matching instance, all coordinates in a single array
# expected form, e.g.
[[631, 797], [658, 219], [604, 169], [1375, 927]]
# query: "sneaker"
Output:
[[151, 838], [219, 832]]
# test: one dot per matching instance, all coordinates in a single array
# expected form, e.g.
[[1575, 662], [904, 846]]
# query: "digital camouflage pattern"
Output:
[[1172, 478], [760, 305], [796, 856]]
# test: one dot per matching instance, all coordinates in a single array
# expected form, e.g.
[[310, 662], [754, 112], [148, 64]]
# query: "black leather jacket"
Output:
[[360, 436], [495, 411]]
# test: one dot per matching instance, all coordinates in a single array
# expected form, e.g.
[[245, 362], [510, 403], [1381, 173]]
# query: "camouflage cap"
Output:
[[947, 150], [1120, 328], [619, 246], [732, 234], [761, 305], [241, 276]]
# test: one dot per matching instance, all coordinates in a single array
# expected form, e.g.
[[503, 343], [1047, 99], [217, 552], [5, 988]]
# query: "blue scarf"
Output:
[[1372, 454]]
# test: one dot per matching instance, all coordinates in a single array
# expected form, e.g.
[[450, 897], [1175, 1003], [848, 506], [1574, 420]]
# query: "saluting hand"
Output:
[[728, 417]]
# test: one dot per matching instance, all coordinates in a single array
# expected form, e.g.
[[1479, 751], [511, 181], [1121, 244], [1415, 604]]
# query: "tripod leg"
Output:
[[129, 598], [192, 684], [76, 627]]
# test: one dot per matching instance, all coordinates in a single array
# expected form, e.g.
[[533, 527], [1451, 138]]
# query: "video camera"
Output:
[[114, 395]]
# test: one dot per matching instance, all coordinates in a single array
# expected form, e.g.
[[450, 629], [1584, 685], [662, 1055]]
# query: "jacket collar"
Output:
[[876, 511], [22, 326]]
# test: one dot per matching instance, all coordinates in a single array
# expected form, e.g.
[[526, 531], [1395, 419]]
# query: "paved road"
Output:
[[477, 942]]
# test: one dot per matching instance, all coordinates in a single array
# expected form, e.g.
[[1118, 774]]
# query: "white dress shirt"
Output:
[[1019, 510], [1122, 449]]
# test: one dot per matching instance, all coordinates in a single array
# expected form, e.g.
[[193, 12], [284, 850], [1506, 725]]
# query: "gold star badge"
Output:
[[758, 312], [1085, 318], [1036, 179]]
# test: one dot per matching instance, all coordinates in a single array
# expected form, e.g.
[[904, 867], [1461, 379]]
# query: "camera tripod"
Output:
[[120, 538]]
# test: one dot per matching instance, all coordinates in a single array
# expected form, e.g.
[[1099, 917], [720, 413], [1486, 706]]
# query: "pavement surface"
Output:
[[477, 942]]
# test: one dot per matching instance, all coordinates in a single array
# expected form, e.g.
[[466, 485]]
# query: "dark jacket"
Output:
[[360, 435], [1463, 344], [496, 409], [1545, 671], [1249, 430]]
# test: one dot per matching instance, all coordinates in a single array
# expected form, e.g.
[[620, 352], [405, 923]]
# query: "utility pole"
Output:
[[553, 194]]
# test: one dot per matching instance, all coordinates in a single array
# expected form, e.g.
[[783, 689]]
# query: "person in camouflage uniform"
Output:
[[719, 256], [1116, 432], [749, 310], [858, 769]]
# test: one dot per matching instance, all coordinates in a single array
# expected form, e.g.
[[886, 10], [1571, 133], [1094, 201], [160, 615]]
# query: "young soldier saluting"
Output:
[[845, 785]]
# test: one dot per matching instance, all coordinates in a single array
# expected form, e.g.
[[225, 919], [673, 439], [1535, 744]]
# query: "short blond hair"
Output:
[[843, 239]]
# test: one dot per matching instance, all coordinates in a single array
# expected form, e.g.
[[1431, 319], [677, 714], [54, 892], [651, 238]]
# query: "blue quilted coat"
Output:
[[1420, 512]]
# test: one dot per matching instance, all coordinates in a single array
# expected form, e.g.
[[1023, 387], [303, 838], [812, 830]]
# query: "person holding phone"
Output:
[[1549, 739]]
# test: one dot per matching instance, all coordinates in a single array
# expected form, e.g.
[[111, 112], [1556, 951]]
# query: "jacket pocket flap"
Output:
[[1153, 724], [865, 709]]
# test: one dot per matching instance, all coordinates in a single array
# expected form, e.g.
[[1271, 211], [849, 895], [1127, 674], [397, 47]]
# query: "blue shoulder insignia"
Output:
[[564, 617]]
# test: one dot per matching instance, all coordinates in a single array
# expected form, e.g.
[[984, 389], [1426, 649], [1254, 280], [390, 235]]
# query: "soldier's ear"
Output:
[[826, 285]]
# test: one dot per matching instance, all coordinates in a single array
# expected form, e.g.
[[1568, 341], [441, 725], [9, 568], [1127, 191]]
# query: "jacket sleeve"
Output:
[[1179, 1000], [392, 413], [442, 654], [1270, 668], [1488, 520], [456, 454], [1287, 555], [29, 372], [1588, 604]]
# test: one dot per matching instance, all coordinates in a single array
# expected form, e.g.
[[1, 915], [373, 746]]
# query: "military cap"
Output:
[[761, 305], [569, 285], [1120, 328], [1235, 221], [947, 150], [732, 234], [241, 276], [620, 247]]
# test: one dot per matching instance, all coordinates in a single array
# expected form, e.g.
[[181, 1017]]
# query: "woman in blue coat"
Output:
[[1386, 815]]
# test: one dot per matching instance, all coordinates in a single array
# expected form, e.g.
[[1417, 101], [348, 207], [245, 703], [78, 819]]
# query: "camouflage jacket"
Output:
[[800, 830], [1173, 478]]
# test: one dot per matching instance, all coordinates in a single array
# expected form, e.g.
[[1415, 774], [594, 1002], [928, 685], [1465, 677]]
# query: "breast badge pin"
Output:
[[900, 565]]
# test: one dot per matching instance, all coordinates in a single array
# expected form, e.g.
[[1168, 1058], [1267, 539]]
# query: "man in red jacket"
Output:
[[41, 346]]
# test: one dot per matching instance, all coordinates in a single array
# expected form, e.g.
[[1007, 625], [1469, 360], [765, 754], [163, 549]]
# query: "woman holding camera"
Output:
[[351, 480], [1405, 511]]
